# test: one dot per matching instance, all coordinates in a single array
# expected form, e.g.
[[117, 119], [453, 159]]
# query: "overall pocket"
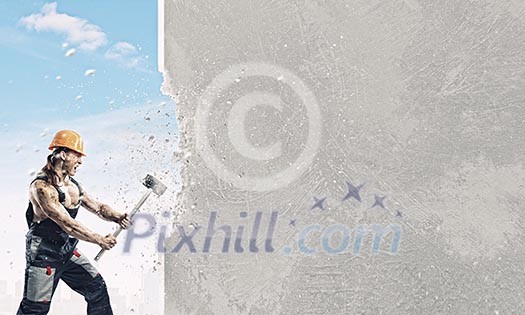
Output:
[[40, 283]]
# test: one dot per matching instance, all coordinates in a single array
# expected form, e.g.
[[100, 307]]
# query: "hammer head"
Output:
[[154, 184]]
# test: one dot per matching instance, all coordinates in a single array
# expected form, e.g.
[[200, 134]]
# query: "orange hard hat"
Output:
[[68, 139]]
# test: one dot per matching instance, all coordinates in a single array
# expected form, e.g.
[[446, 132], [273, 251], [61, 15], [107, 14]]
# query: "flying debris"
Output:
[[18, 148], [64, 45], [58, 77], [79, 97], [89, 72], [44, 133], [71, 52], [31, 172]]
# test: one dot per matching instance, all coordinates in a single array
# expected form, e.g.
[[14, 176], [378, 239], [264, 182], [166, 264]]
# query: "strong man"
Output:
[[51, 243]]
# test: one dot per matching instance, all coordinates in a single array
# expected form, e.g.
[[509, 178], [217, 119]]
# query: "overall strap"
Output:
[[80, 191], [29, 215], [61, 194]]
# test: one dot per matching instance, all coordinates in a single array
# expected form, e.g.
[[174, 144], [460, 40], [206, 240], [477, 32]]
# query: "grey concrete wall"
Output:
[[417, 101]]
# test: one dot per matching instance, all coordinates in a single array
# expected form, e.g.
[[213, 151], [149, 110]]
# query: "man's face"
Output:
[[72, 162]]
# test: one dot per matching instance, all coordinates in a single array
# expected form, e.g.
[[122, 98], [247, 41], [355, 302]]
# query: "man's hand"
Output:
[[123, 221], [107, 242]]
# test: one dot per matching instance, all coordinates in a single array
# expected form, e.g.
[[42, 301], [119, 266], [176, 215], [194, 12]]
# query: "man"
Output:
[[51, 252]]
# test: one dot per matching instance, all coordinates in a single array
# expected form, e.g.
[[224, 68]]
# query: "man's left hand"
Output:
[[123, 221]]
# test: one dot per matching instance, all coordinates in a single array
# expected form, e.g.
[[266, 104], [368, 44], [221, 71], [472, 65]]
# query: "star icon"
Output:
[[353, 191], [292, 222], [378, 201], [318, 203]]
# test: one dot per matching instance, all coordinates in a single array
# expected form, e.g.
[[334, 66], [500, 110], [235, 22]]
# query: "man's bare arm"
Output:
[[104, 211], [47, 198]]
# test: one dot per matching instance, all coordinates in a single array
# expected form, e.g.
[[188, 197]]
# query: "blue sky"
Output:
[[117, 39]]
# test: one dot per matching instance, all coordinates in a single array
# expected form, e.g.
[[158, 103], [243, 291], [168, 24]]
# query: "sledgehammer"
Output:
[[153, 185]]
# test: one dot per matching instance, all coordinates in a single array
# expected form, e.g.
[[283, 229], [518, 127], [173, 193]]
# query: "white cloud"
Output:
[[77, 31], [70, 52], [80, 33], [124, 53], [89, 72]]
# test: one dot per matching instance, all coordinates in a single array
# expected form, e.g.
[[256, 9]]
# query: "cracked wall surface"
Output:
[[347, 114]]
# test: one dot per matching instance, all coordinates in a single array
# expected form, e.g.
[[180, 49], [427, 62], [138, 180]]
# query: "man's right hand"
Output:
[[107, 242]]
